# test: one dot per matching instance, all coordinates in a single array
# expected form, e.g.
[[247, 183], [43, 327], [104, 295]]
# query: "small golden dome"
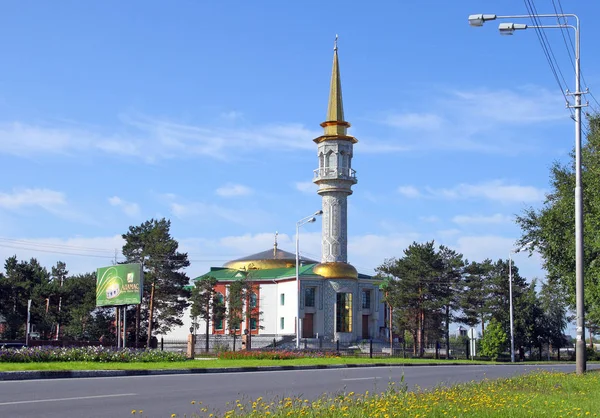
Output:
[[337, 270], [270, 259]]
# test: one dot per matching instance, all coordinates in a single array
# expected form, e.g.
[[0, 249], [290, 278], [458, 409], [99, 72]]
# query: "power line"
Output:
[[547, 50]]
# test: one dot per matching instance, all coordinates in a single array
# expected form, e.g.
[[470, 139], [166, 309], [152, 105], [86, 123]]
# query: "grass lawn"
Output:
[[211, 363], [542, 394]]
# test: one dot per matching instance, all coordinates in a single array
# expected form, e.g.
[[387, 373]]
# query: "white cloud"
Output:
[[409, 191], [429, 219], [496, 190], [477, 120], [129, 208], [232, 115], [233, 190], [520, 106], [152, 139], [202, 212], [478, 248], [44, 198], [414, 120], [82, 255], [305, 186], [497, 218]]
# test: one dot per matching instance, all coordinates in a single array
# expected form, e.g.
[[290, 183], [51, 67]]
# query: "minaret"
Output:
[[335, 178]]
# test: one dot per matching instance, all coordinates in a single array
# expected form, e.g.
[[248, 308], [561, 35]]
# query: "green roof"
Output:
[[225, 274]]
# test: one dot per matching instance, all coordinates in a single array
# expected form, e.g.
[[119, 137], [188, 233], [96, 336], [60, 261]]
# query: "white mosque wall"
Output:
[[288, 309]]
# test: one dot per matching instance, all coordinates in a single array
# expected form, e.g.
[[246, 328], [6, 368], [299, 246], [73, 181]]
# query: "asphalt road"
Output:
[[161, 396]]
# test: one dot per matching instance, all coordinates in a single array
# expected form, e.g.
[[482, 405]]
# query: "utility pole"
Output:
[[59, 306], [150, 314]]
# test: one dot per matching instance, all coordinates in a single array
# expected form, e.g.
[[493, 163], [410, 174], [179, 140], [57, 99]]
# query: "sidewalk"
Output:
[[64, 374]]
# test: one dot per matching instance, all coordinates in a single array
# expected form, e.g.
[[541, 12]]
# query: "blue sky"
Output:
[[204, 112]]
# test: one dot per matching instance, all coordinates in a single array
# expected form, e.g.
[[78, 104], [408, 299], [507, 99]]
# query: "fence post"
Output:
[[162, 344], [467, 350], [337, 345], [274, 343], [371, 348], [305, 343]]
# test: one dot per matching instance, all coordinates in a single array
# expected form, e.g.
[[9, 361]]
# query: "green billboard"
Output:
[[120, 284]]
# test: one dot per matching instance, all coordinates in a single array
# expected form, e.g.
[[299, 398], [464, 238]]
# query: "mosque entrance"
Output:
[[307, 326], [365, 327]]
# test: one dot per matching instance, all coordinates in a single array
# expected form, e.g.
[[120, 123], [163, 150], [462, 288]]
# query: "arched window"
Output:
[[343, 312]]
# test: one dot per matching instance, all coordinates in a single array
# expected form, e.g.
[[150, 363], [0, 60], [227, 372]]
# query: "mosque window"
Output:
[[282, 299], [343, 312], [219, 323], [366, 299], [253, 300], [309, 297], [253, 324], [282, 322]]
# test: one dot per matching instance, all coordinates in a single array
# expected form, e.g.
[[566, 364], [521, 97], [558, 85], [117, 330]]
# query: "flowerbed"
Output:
[[274, 355], [93, 354]]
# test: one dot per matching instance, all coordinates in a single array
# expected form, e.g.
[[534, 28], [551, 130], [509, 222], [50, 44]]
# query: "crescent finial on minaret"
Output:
[[335, 42]]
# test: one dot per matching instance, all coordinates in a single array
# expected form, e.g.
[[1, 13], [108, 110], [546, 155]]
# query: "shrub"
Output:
[[92, 354], [274, 355]]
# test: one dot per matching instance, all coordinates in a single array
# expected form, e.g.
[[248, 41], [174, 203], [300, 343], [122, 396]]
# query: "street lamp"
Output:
[[508, 29], [303, 221], [510, 296]]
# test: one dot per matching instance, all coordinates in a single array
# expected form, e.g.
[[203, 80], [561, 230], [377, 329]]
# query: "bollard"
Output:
[[337, 345], [190, 347], [162, 344], [371, 348]]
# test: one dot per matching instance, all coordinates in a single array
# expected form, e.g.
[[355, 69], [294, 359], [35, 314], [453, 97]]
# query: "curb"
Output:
[[77, 374]]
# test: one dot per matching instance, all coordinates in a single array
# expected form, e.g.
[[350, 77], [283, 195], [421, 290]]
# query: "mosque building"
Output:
[[327, 299]]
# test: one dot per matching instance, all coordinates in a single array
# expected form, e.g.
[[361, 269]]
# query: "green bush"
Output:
[[92, 354], [592, 354]]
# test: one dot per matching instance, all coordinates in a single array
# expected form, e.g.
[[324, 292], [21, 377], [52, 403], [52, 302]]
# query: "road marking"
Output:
[[361, 378], [79, 398]]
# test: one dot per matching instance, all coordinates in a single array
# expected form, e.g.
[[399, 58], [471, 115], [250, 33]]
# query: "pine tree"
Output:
[[165, 295]]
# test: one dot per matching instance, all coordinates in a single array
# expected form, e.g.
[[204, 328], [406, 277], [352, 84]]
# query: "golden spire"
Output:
[[335, 123], [275, 245], [335, 110]]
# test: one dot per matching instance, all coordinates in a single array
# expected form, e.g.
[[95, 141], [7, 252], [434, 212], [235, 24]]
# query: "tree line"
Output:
[[430, 287], [64, 306]]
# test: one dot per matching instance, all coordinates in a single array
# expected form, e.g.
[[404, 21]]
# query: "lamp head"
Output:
[[523, 247], [510, 28], [318, 213], [480, 19], [311, 220]]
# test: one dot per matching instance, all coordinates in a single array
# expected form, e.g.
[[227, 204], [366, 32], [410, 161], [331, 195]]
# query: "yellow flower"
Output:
[[133, 412], [173, 415], [193, 402]]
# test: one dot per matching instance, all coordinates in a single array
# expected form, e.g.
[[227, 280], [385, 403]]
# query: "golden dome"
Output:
[[270, 259], [337, 270]]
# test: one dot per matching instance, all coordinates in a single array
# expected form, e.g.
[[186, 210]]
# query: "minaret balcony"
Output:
[[335, 173]]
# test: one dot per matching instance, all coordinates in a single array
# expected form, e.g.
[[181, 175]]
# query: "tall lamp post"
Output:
[[510, 296], [508, 29], [303, 221]]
